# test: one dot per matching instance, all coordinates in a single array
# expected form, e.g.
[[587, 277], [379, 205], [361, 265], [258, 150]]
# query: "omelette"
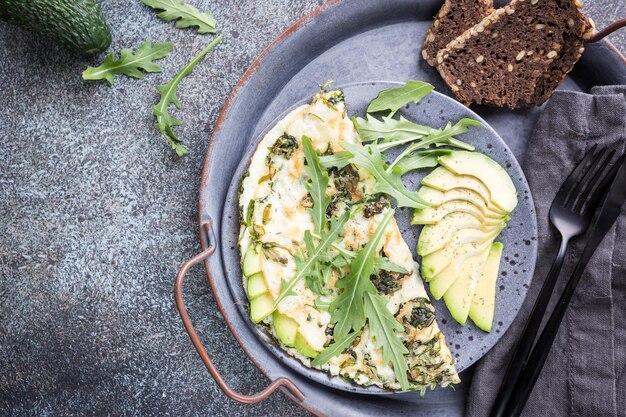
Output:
[[277, 232]]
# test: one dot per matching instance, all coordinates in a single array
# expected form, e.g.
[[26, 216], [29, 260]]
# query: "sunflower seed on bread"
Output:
[[517, 55], [454, 17]]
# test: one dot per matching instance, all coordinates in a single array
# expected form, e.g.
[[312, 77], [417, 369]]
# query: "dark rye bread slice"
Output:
[[454, 18], [518, 55]]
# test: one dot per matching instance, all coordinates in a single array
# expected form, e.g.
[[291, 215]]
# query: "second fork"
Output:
[[570, 214]]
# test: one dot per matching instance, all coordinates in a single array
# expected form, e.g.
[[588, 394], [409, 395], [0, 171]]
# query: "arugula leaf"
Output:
[[186, 14], [359, 302], [315, 280], [440, 138], [321, 304], [304, 264], [335, 349], [319, 274], [395, 132], [445, 136], [130, 64], [394, 98], [418, 160], [317, 184], [166, 122], [385, 264], [382, 327], [380, 263], [338, 160], [347, 310], [388, 182], [389, 129]]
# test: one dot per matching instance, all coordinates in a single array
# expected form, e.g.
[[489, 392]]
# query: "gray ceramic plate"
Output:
[[349, 41], [467, 343]]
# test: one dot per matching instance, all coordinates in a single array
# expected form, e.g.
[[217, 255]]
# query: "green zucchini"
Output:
[[77, 24]]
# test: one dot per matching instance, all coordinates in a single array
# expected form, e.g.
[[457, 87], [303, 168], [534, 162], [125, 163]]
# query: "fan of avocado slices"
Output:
[[471, 197], [325, 267]]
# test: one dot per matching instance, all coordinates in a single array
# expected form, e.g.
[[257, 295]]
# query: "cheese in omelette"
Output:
[[274, 217]]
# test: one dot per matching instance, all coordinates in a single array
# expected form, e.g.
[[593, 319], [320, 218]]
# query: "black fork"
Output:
[[571, 213]]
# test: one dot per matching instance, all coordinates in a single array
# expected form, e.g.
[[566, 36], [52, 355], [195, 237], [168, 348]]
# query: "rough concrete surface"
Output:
[[97, 214]]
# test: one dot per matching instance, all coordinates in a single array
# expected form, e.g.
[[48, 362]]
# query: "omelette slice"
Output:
[[276, 214]]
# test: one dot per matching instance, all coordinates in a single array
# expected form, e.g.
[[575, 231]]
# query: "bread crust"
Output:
[[454, 17]]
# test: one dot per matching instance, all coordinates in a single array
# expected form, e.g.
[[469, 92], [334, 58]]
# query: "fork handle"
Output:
[[526, 341], [529, 375]]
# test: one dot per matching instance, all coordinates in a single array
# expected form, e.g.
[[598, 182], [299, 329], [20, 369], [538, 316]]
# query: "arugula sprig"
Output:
[[335, 348], [396, 132], [359, 303], [380, 263], [382, 328], [319, 277], [446, 136], [166, 122], [389, 129], [388, 182], [316, 184], [394, 98], [319, 273], [439, 138], [348, 310], [185, 15], [393, 133], [305, 263], [130, 63], [337, 160], [419, 160]]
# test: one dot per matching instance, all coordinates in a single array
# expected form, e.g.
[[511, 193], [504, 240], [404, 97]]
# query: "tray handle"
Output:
[[608, 30], [193, 335]]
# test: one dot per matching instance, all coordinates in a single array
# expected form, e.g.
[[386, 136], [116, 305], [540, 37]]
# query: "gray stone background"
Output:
[[97, 214]]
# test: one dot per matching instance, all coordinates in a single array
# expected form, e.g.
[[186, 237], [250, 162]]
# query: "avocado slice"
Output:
[[443, 180], [459, 296], [261, 307], [488, 171], [286, 328], [434, 263], [433, 215], [437, 198], [252, 260], [256, 285], [483, 303], [303, 346], [442, 283], [435, 236]]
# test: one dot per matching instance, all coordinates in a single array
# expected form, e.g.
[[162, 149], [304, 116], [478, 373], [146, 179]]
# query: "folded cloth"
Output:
[[584, 374]]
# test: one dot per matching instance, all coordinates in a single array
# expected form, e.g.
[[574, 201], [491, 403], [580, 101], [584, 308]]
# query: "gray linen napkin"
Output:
[[585, 372]]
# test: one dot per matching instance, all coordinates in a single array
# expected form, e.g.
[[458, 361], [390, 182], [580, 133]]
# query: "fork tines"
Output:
[[587, 182]]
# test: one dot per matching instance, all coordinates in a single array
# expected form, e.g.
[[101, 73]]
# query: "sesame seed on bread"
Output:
[[454, 17], [517, 55]]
